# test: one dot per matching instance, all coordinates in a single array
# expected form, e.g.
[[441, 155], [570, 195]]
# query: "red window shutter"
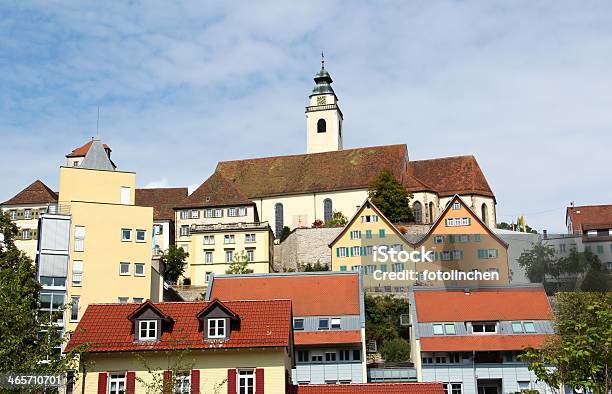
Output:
[[195, 381], [102, 378], [259, 381], [167, 382], [231, 381], [130, 385]]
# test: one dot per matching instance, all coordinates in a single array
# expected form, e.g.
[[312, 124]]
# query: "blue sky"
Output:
[[524, 86]]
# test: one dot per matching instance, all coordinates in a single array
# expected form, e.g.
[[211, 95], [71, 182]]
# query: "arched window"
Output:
[[418, 212], [278, 219], [321, 126], [431, 214], [327, 210], [483, 213]]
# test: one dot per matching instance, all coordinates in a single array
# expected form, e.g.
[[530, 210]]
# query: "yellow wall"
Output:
[[81, 184], [213, 366]]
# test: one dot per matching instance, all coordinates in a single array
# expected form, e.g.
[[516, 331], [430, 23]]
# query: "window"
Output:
[[455, 222], [184, 230], [327, 210], [229, 239], [138, 300], [317, 358], [323, 324], [529, 327], [77, 272], [449, 328], [343, 268], [74, 308], [124, 268], [298, 324], [431, 212], [25, 234], [383, 267], [321, 126], [53, 281], [246, 381], [600, 249], [517, 327], [242, 211], [209, 240], [250, 255], [355, 234], [356, 355], [182, 383], [368, 233], [123, 300], [216, 328], [139, 269], [249, 238], [484, 327], [476, 237], [342, 252], [116, 384], [13, 215], [344, 355], [381, 233], [335, 323], [208, 257], [438, 329], [487, 253], [195, 214], [27, 214], [302, 356], [330, 356], [456, 206], [218, 213], [418, 212], [231, 212], [184, 215], [126, 195], [355, 251], [158, 229], [484, 213], [562, 248], [141, 235], [439, 239], [79, 238], [397, 267], [126, 234], [453, 388], [278, 219], [147, 330], [229, 256]]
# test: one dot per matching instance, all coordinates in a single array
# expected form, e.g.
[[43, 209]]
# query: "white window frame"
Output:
[[229, 239], [438, 329], [13, 214], [207, 254], [150, 327], [250, 253], [26, 233], [531, 324], [208, 213], [184, 231], [142, 266], [452, 331], [119, 380], [138, 300], [250, 238], [456, 206], [209, 240], [335, 323], [229, 256], [218, 330], [448, 388], [232, 212], [242, 211], [123, 300], [484, 332], [79, 238], [182, 383], [121, 265], [246, 376], [144, 232], [27, 214], [123, 232], [126, 195], [184, 215], [77, 273], [218, 212], [74, 308], [194, 214]]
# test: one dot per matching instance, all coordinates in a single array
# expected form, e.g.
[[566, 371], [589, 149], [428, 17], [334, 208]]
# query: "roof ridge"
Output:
[[445, 157]]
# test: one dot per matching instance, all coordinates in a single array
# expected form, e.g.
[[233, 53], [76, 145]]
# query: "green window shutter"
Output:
[[350, 252], [35, 234], [381, 233], [337, 252]]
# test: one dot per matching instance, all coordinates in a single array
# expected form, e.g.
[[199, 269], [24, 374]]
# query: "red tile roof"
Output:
[[371, 388], [216, 191], [82, 150], [528, 303], [316, 172], [36, 193], [447, 176], [162, 200], [314, 294], [594, 216], [481, 342], [325, 337], [106, 327]]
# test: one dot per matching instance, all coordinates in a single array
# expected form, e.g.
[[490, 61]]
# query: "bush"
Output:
[[397, 349]]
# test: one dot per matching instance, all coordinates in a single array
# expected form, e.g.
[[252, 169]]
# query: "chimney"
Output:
[[545, 233]]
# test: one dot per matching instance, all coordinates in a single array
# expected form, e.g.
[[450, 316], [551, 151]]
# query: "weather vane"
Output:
[[322, 61]]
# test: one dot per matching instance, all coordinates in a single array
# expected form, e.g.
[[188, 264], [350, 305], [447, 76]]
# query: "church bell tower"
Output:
[[323, 116]]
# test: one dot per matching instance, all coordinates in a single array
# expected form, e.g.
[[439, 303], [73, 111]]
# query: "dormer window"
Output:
[[484, 327], [216, 328], [147, 330]]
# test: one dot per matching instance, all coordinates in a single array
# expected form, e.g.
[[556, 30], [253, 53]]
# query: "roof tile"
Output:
[[482, 342], [162, 200], [371, 388], [36, 193]]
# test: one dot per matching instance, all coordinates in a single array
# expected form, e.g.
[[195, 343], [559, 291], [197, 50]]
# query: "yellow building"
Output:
[[190, 347], [395, 257], [217, 224], [24, 210], [97, 247]]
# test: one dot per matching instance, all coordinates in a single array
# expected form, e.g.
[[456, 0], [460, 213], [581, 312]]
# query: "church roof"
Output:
[[162, 200], [323, 83], [447, 176], [312, 173], [82, 150], [215, 191], [36, 193]]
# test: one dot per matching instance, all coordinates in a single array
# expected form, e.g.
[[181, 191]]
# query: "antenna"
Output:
[[322, 61], [98, 124]]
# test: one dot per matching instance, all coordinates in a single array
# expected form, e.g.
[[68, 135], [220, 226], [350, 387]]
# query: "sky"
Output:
[[525, 87]]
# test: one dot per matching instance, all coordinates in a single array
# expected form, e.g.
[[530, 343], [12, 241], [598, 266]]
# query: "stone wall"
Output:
[[305, 245]]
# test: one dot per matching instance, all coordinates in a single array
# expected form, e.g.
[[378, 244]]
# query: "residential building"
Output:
[[201, 347], [328, 319], [469, 339], [76, 157], [217, 224], [25, 208], [459, 243], [97, 246], [297, 190], [372, 388], [163, 201]]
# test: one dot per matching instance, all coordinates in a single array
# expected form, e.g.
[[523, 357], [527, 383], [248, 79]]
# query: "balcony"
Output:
[[203, 228], [314, 108]]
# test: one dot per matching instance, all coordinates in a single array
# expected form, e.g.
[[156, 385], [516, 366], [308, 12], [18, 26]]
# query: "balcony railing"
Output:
[[314, 108], [228, 226]]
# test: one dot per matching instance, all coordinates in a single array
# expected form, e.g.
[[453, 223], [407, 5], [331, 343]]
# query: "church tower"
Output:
[[323, 116]]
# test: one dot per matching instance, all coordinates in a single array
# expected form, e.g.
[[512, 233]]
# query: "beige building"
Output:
[[24, 210], [218, 224]]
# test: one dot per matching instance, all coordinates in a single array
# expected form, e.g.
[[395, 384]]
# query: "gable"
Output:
[[35, 193]]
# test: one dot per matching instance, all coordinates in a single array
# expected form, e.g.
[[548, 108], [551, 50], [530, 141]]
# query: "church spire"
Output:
[[323, 80]]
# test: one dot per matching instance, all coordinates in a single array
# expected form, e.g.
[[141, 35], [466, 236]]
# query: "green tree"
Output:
[[391, 198], [174, 261], [397, 349], [580, 355], [383, 318], [314, 267], [240, 265], [285, 233], [538, 262], [27, 337], [337, 220]]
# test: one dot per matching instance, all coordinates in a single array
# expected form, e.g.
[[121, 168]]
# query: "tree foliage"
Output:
[[394, 350], [337, 220], [383, 321], [538, 262], [391, 198], [27, 337], [314, 267], [240, 265], [175, 263], [580, 355]]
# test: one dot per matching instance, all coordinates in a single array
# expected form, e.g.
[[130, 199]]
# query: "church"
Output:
[[296, 190]]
